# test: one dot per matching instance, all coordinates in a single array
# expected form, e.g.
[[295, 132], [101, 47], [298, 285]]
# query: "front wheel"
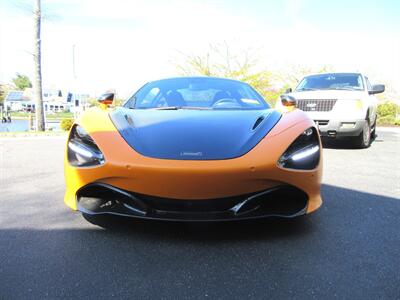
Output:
[[363, 140], [373, 131]]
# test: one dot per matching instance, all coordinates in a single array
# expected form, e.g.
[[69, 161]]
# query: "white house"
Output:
[[54, 100]]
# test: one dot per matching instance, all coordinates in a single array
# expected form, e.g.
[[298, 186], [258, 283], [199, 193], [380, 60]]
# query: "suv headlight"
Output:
[[346, 105], [82, 150], [304, 153]]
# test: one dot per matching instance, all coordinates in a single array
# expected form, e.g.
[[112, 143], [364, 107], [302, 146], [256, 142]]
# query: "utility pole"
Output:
[[74, 92], [73, 61], [37, 56]]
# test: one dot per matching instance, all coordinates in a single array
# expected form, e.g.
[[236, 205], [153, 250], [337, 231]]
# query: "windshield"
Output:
[[336, 81], [197, 93]]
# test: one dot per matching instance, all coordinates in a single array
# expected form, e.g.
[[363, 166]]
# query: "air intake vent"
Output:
[[258, 122], [129, 120]]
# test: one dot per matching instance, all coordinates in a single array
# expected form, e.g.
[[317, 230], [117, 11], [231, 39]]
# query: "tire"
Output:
[[373, 131], [363, 140]]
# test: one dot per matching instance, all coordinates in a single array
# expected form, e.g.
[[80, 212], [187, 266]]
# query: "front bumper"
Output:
[[194, 181], [282, 201], [340, 128]]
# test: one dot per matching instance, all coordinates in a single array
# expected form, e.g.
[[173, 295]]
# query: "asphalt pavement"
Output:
[[349, 249]]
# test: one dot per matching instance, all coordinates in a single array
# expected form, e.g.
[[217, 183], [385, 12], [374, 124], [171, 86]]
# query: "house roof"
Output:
[[15, 96]]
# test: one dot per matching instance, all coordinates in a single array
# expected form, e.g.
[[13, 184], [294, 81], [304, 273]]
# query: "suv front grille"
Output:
[[316, 105]]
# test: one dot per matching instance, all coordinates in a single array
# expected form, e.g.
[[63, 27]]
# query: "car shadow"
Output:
[[268, 228], [344, 143], [349, 243], [332, 143], [261, 229]]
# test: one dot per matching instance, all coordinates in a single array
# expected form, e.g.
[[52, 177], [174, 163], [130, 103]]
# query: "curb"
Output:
[[31, 135]]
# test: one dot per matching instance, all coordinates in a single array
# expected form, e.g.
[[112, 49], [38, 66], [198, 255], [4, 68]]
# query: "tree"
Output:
[[292, 77], [220, 61], [22, 82], [38, 94], [390, 94], [2, 94], [4, 89]]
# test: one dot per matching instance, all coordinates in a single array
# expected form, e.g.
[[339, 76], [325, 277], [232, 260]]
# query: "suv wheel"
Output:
[[364, 139], [373, 131]]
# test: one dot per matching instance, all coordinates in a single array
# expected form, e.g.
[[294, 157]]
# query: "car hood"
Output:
[[328, 94], [186, 134]]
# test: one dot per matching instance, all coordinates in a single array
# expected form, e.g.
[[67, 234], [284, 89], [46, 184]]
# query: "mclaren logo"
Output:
[[186, 153]]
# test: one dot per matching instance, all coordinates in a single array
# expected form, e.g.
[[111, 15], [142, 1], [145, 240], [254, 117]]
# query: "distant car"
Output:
[[341, 104], [193, 149]]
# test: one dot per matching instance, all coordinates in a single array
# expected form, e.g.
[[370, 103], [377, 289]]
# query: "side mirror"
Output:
[[106, 98], [289, 90], [377, 89], [288, 100]]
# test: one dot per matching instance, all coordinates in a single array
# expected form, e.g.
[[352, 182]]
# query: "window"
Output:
[[150, 97], [334, 81], [197, 92]]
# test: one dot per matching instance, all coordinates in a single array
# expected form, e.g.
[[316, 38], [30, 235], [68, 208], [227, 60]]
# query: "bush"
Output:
[[387, 114], [386, 120], [66, 124], [388, 109], [118, 102]]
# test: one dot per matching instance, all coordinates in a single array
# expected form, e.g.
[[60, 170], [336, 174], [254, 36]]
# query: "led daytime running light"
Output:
[[305, 153], [81, 150]]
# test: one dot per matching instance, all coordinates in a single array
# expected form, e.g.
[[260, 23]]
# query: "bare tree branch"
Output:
[[221, 61]]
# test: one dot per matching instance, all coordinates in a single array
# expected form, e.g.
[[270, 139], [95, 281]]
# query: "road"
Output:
[[349, 249]]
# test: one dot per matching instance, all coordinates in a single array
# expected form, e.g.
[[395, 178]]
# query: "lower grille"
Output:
[[283, 201], [321, 122], [316, 105]]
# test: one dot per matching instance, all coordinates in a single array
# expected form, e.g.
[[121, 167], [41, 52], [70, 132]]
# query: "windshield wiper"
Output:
[[182, 107], [306, 89], [196, 108], [167, 108], [345, 88]]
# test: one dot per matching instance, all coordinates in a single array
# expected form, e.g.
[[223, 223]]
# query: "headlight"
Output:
[[82, 150], [346, 105], [303, 153]]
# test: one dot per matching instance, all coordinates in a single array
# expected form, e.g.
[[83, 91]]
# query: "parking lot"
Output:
[[349, 249]]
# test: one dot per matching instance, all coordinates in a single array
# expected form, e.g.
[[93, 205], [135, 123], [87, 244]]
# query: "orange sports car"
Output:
[[194, 149]]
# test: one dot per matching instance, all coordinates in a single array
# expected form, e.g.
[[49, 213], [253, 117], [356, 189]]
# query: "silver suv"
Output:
[[341, 104]]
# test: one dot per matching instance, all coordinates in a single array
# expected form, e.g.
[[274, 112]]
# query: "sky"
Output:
[[123, 44]]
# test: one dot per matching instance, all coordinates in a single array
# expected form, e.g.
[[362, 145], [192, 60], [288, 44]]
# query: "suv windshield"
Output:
[[197, 93], [335, 81]]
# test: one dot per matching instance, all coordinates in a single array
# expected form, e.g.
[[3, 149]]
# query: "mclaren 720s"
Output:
[[194, 149]]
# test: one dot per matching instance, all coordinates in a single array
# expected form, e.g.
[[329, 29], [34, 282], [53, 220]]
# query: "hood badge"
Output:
[[187, 153]]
